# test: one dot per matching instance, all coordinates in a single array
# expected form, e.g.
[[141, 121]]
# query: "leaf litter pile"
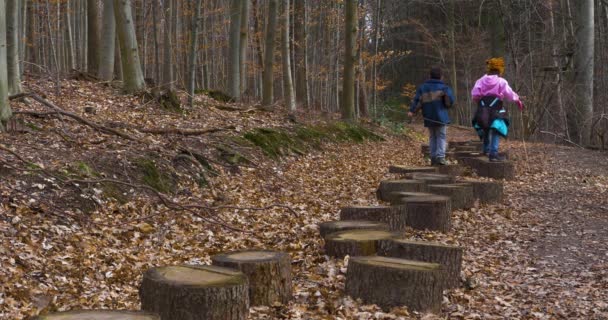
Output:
[[85, 212]]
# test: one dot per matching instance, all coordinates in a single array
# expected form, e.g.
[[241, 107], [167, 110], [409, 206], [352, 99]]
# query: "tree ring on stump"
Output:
[[269, 274], [450, 257], [355, 242], [99, 315], [395, 217], [195, 293], [391, 282], [330, 227]]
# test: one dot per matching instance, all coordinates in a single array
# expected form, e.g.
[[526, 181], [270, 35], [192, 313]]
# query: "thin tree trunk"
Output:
[[562, 123], [5, 108], [193, 48], [167, 82], [268, 83], [243, 44], [234, 71], [12, 37], [133, 77], [106, 64], [581, 123], [300, 35], [375, 63], [350, 54], [93, 36], [157, 73], [452, 38], [69, 38], [288, 92]]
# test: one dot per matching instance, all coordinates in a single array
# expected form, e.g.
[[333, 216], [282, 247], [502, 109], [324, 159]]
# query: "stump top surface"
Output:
[[405, 181], [448, 186], [99, 315], [428, 199], [413, 169], [361, 235], [367, 208], [423, 175], [252, 255], [198, 275], [424, 243], [396, 263], [411, 194], [355, 223]]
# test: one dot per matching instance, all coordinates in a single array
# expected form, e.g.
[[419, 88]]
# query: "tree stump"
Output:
[[330, 227], [99, 315], [430, 212], [461, 194], [461, 155], [452, 170], [391, 282], [467, 148], [355, 242], [450, 257], [195, 293], [387, 187], [394, 217], [486, 191], [399, 198], [405, 169], [430, 178], [269, 274], [490, 169]]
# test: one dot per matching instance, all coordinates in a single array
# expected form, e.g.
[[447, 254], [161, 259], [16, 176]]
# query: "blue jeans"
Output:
[[437, 141], [490, 142]]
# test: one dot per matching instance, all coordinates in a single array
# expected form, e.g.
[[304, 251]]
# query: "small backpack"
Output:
[[489, 109]]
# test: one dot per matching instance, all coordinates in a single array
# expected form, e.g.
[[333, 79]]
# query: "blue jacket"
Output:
[[434, 98]]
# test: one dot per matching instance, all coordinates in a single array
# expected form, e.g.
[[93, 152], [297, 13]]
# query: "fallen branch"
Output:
[[74, 116], [563, 138]]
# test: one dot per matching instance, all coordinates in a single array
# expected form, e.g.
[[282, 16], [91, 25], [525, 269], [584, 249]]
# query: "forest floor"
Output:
[[73, 237]]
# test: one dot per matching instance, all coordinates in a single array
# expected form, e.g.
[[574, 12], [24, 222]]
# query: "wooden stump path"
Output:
[[355, 242], [330, 227]]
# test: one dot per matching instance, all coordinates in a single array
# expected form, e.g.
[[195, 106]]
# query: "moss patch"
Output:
[[278, 142], [153, 177]]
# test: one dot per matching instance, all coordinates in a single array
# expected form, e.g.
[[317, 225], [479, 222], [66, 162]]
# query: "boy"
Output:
[[434, 98], [491, 120]]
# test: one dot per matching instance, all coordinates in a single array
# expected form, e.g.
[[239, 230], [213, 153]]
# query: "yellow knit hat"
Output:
[[496, 64]]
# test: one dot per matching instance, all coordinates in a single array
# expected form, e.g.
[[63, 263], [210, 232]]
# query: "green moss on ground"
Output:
[[152, 175]]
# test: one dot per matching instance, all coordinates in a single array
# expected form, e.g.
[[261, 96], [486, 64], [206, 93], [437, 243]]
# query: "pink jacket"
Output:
[[493, 85]]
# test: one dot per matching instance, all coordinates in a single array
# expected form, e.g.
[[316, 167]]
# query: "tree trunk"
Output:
[[430, 212], [133, 77], [193, 49], [5, 108], [93, 37], [71, 55], [268, 82], [167, 79], [301, 49], [106, 63], [243, 45], [350, 54], [12, 37], [582, 114], [195, 292], [289, 97], [461, 195], [388, 187], [234, 66], [268, 272], [393, 282], [486, 191], [497, 30]]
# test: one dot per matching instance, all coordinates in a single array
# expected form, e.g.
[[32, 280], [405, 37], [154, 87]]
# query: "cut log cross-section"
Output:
[[405, 169], [355, 242], [430, 178], [330, 227], [487, 191], [391, 282], [430, 213], [195, 293], [99, 315], [461, 194], [495, 170], [450, 257], [395, 217], [269, 274], [399, 198], [452, 170], [387, 187]]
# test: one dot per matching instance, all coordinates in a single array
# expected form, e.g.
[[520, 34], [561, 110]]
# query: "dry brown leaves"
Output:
[[539, 255]]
